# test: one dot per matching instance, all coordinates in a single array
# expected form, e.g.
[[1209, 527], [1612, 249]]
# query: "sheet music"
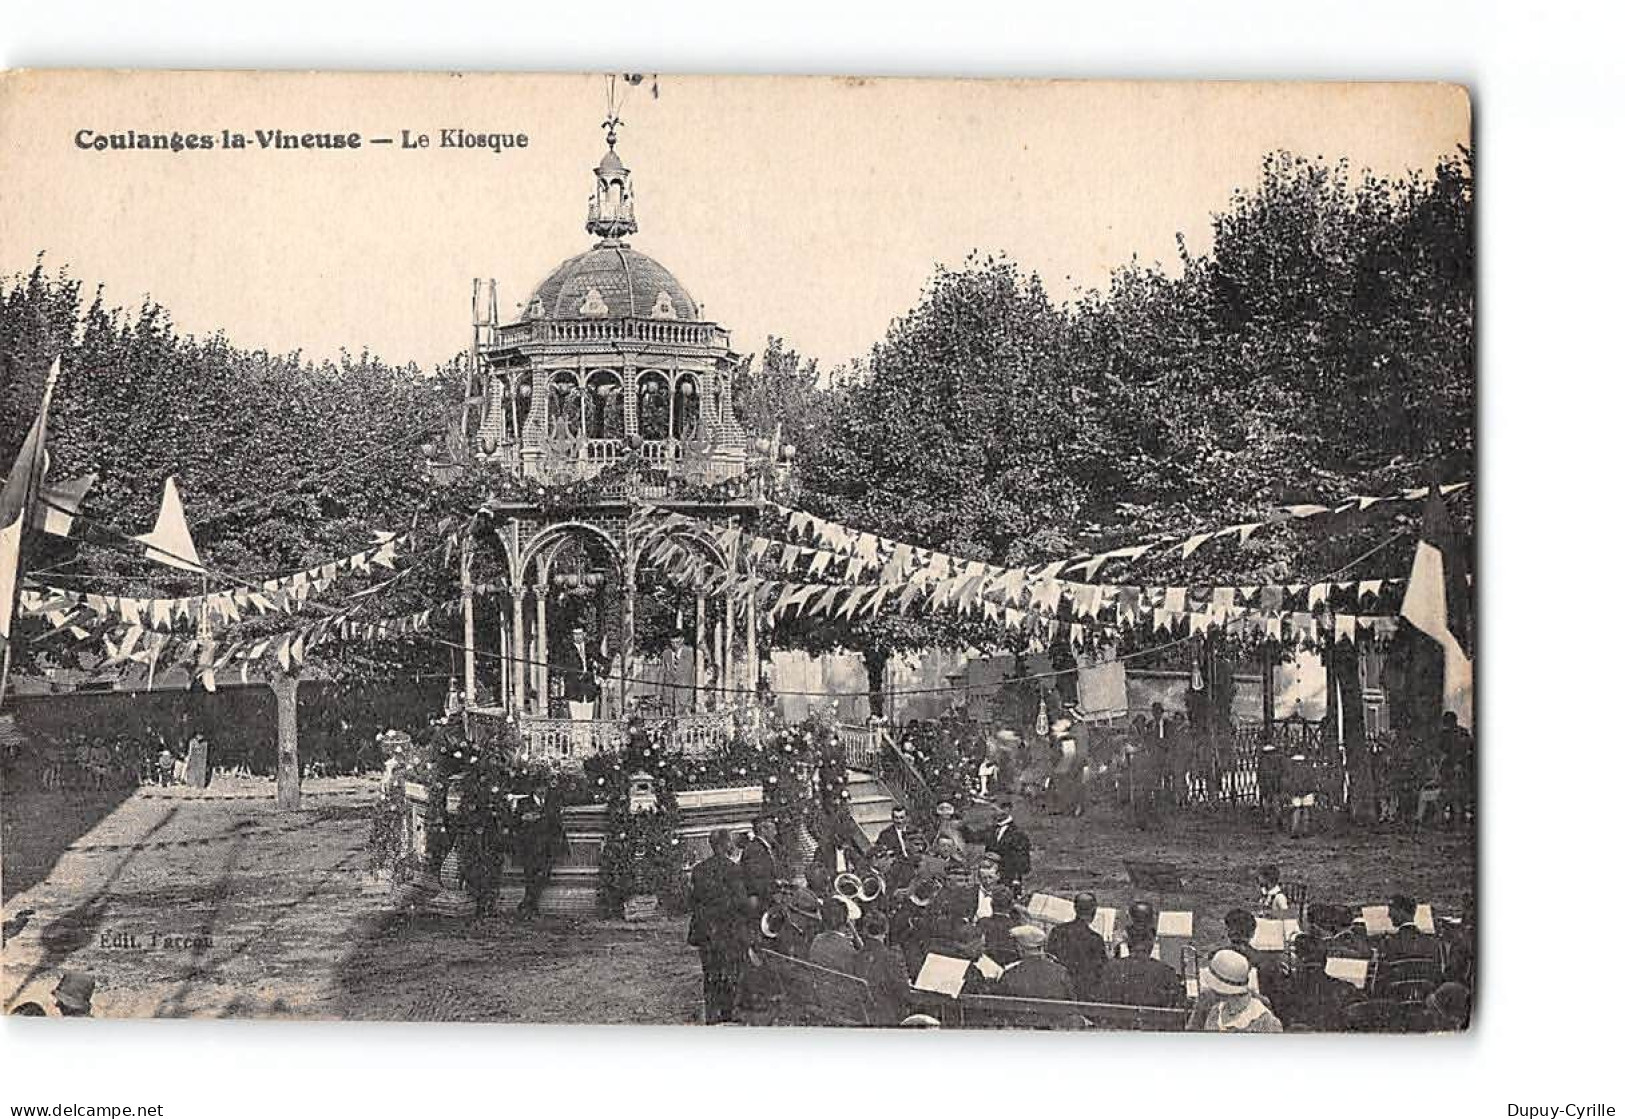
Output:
[[1348, 970], [1424, 918], [944, 975], [1051, 910], [1376, 920], [1105, 922], [989, 967], [1270, 936], [1176, 922]]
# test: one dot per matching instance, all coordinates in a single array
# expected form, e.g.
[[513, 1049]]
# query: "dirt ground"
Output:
[[214, 904]]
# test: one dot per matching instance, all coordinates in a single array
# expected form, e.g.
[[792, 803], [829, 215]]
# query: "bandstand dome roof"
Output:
[[628, 285]]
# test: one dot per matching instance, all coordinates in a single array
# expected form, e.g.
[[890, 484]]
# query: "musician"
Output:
[[894, 872], [789, 925], [759, 864], [950, 839], [717, 925], [894, 837], [1079, 948], [1422, 953], [911, 925], [884, 967], [1012, 846], [1306, 995], [1033, 975], [987, 881], [1139, 980], [835, 947], [997, 927]]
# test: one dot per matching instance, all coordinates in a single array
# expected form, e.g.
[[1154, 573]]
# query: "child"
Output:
[[1275, 903]]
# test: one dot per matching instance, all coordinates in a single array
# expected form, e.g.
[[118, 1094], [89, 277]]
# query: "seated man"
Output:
[[997, 927], [1410, 963], [836, 946], [883, 966], [1307, 997], [1035, 975], [788, 928], [957, 937], [893, 871], [1079, 948], [1139, 980]]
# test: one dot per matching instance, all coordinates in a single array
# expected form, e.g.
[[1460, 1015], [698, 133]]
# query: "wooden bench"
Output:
[[820, 995], [1004, 1012]]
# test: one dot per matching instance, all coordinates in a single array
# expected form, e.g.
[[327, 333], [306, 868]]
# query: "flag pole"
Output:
[[31, 485]]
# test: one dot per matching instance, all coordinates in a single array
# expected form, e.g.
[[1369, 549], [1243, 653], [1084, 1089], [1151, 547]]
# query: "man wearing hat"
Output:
[[1139, 980], [789, 929], [73, 993], [1011, 844], [1230, 1005], [1034, 975], [950, 832]]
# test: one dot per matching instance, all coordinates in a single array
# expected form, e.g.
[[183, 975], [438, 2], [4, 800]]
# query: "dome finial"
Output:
[[610, 214]]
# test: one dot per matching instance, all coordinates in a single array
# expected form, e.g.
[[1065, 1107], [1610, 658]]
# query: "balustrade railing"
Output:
[[657, 331], [571, 742]]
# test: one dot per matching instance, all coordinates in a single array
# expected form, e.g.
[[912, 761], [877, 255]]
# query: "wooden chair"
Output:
[[823, 996], [1406, 979], [1372, 1016], [1297, 896]]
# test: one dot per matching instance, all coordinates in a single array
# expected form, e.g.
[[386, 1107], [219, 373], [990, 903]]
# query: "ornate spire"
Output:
[[610, 214]]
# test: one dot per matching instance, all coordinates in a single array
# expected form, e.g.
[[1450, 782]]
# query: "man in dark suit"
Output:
[[581, 667], [1137, 979], [719, 910], [539, 840], [1034, 975], [1309, 997], [1410, 962], [894, 836], [1080, 949], [999, 927], [759, 864], [1014, 849]]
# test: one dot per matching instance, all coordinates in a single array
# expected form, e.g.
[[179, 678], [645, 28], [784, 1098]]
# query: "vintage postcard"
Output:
[[657, 548]]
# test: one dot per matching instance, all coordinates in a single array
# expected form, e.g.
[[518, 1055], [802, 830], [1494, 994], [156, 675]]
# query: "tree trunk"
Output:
[[874, 663], [286, 689]]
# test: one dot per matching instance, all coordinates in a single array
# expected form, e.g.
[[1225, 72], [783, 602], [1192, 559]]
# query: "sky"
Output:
[[810, 208]]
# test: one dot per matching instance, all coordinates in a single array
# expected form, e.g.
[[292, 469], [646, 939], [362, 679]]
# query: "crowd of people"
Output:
[[955, 891]]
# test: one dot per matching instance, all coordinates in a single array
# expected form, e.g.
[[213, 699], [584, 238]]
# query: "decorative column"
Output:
[[504, 677], [539, 642], [725, 673], [720, 659], [466, 569], [629, 621], [629, 398], [699, 650], [752, 665], [518, 665]]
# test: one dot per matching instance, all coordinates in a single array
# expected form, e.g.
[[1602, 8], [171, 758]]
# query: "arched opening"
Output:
[[654, 405], [565, 407], [686, 421], [603, 405]]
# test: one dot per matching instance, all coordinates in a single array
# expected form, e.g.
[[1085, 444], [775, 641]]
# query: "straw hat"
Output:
[[1228, 972]]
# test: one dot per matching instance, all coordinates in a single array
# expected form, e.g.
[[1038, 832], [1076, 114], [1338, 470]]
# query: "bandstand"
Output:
[[610, 393]]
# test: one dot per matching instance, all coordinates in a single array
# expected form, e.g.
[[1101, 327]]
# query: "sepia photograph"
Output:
[[742, 551]]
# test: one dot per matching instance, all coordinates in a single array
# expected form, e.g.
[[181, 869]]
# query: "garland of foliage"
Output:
[[642, 853]]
